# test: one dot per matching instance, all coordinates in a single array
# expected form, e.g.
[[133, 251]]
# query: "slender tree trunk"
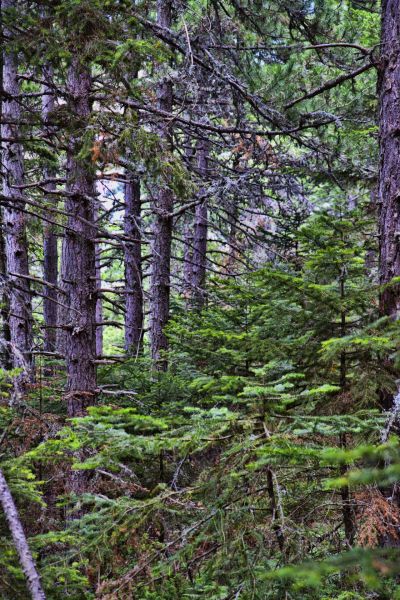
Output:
[[200, 235], [99, 300], [50, 250], [5, 351], [99, 306], [161, 251], [6, 359], [389, 170], [188, 237], [20, 317], [79, 257], [233, 253], [188, 243], [133, 268], [21, 544]]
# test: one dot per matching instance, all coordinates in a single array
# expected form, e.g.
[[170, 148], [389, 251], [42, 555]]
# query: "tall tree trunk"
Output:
[[5, 350], [99, 300], [162, 235], [20, 317], [99, 305], [188, 240], [79, 257], [233, 253], [389, 170], [133, 268], [200, 234], [188, 236], [6, 359], [50, 250], [21, 544], [389, 183]]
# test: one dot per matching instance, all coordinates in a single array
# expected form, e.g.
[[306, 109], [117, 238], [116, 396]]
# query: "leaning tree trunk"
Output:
[[162, 233], [389, 169], [200, 234], [20, 316], [21, 544], [50, 250], [79, 257], [133, 268]]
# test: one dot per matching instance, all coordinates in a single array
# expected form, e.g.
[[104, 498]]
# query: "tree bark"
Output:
[[99, 300], [6, 359], [20, 541], [389, 169], [20, 316], [162, 232], [200, 234], [79, 256], [50, 249], [133, 268]]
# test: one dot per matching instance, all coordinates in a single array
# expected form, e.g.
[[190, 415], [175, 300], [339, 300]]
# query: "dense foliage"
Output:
[[245, 449]]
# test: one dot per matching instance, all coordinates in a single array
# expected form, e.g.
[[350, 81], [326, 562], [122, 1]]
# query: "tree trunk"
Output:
[[162, 232], [99, 300], [6, 359], [389, 184], [5, 350], [21, 544], [200, 234], [79, 257], [20, 317], [133, 269], [389, 170], [50, 250], [188, 243]]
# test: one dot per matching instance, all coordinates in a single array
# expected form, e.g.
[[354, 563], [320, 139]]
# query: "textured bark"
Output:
[[99, 300], [188, 256], [162, 234], [133, 269], [79, 257], [50, 250], [5, 354], [21, 544], [200, 235], [188, 237], [20, 317], [6, 361], [99, 306], [389, 171]]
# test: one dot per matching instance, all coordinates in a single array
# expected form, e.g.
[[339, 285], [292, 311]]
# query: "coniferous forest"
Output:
[[200, 299]]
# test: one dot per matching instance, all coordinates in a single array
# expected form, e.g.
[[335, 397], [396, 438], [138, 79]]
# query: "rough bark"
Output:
[[162, 233], [200, 234], [5, 354], [20, 541], [389, 184], [6, 361], [188, 256], [389, 169], [99, 300], [79, 256], [133, 269], [20, 316], [50, 250]]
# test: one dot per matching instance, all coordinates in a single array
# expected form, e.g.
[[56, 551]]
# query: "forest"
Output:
[[200, 299]]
